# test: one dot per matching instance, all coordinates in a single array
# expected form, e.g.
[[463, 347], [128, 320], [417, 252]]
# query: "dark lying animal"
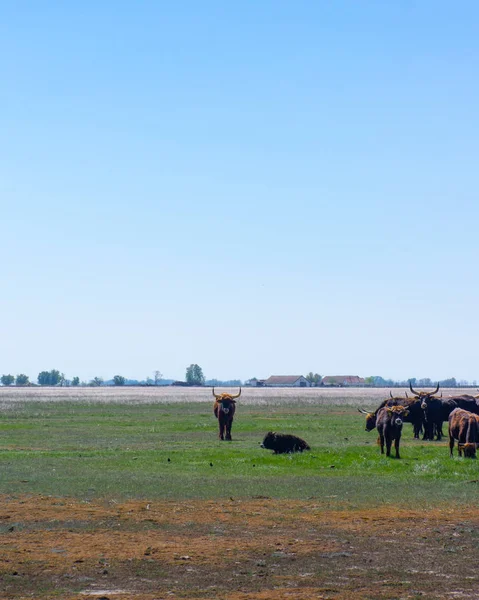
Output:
[[283, 443], [224, 409], [464, 427], [415, 414], [389, 421]]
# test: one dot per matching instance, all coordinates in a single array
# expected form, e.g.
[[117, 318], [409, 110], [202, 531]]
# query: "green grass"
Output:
[[121, 451]]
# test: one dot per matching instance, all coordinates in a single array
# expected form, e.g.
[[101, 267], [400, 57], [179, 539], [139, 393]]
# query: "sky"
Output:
[[260, 188]]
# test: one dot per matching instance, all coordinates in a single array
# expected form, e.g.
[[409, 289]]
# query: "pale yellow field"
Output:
[[254, 396]]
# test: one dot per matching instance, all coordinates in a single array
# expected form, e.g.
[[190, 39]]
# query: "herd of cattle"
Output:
[[426, 411]]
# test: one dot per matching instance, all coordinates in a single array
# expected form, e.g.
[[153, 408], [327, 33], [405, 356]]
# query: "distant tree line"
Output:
[[425, 382], [17, 380], [224, 382], [194, 376], [56, 378]]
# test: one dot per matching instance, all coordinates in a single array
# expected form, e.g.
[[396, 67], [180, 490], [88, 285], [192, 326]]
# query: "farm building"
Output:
[[287, 381], [254, 382], [343, 380]]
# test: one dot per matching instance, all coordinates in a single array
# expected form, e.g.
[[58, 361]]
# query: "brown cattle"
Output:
[[464, 427], [389, 420], [415, 414], [224, 409]]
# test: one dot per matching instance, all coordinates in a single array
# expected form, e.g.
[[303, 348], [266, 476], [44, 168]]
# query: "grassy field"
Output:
[[129, 449], [132, 495]]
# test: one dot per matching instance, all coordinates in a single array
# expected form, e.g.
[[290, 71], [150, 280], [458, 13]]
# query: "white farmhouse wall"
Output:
[[301, 382]]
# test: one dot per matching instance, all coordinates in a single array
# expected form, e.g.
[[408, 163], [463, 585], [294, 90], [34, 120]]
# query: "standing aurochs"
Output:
[[389, 421], [422, 397], [224, 409], [464, 427], [415, 414]]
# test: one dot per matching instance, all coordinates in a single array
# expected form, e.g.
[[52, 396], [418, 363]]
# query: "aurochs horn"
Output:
[[427, 393], [229, 396]]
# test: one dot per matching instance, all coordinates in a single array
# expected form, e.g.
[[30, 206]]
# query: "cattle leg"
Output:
[[388, 447], [451, 445], [222, 426], [439, 433], [381, 442], [428, 431], [228, 430], [396, 447]]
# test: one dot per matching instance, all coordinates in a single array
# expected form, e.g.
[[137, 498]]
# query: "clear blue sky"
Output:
[[258, 187]]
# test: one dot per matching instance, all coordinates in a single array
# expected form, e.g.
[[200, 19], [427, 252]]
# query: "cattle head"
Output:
[[269, 441], [422, 396], [469, 449], [370, 419], [227, 401], [397, 414]]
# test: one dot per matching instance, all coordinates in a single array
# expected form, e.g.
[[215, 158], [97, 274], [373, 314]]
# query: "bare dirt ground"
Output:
[[258, 549]]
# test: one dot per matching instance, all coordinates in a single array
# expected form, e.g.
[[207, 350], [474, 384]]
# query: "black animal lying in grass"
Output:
[[283, 443]]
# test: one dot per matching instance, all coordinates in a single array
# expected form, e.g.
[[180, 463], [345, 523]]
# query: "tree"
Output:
[[96, 381], [119, 380], [313, 378], [158, 377], [194, 375], [22, 379], [55, 377], [7, 379], [43, 377], [76, 381], [52, 377]]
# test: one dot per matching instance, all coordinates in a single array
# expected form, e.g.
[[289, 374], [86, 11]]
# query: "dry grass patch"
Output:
[[167, 394]]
